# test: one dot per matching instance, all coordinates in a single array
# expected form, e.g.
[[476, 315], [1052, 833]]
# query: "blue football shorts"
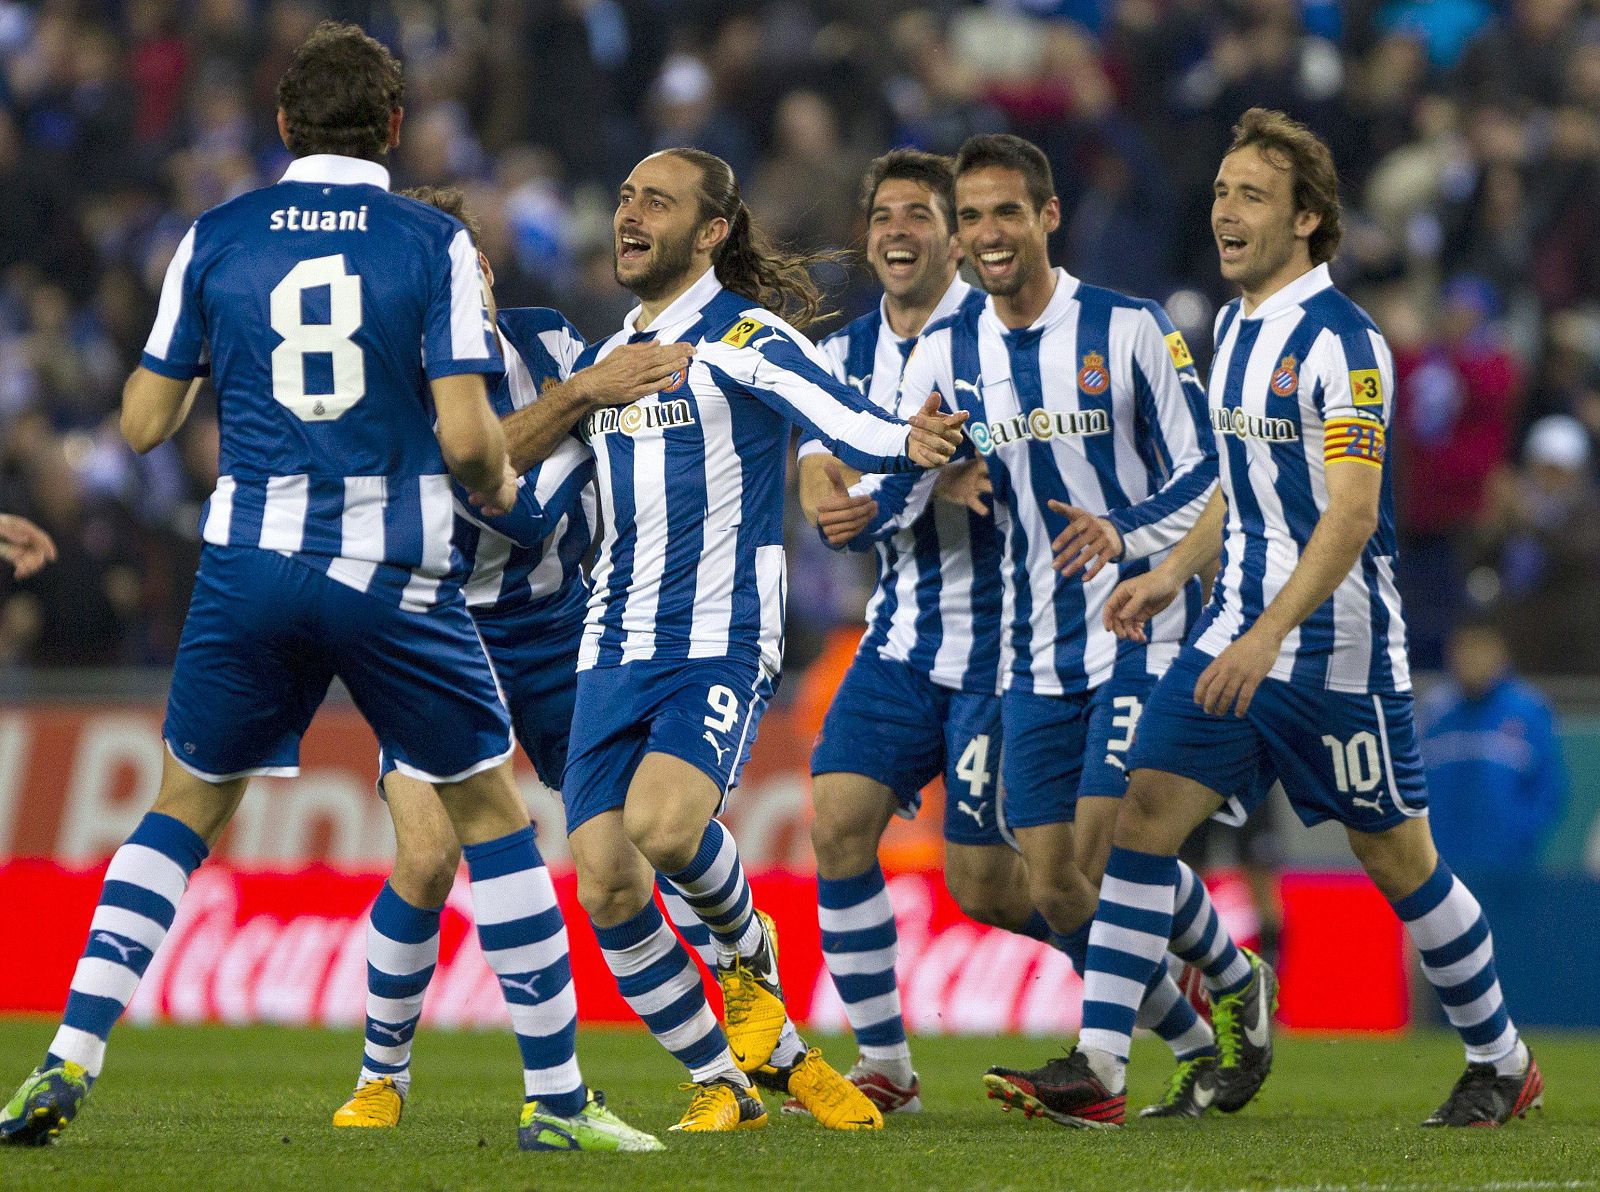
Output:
[[893, 724], [1342, 756], [266, 635], [534, 651], [701, 710]]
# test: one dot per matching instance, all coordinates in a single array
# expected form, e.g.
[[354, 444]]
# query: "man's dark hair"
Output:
[[1290, 145], [339, 92], [451, 201], [1007, 152], [746, 261], [913, 165]]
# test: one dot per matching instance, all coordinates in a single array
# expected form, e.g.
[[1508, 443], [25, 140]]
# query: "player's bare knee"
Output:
[[609, 899], [987, 901], [1065, 898], [424, 871], [843, 844], [1398, 860], [1145, 821], [669, 842]]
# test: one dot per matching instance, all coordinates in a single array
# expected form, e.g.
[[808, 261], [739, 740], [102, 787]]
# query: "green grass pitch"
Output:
[[192, 1108]]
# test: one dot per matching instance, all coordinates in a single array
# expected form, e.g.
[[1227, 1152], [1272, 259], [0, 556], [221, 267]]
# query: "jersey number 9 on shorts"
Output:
[[724, 707], [330, 339]]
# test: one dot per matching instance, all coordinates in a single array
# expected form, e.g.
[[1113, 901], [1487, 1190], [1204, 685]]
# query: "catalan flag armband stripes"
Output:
[[1353, 438]]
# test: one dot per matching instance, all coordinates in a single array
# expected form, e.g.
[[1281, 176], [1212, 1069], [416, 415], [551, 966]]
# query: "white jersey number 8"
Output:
[[331, 338]]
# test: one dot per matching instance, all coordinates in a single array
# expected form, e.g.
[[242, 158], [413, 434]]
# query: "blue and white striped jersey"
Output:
[[692, 482], [1304, 380], [536, 551], [937, 603], [323, 305], [1096, 404]]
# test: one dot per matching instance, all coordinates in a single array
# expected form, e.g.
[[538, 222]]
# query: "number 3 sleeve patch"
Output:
[[1359, 439], [1366, 387], [1181, 357], [741, 332]]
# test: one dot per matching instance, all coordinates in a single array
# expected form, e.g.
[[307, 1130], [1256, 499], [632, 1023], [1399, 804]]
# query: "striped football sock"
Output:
[[1127, 944], [690, 929], [1167, 1013], [860, 947], [138, 900], [402, 951], [1164, 1009], [714, 885], [525, 942], [662, 985], [698, 936], [1199, 937], [1448, 927]]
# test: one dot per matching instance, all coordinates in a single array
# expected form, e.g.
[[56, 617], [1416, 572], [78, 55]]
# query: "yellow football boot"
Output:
[[719, 1106], [376, 1103], [753, 1013], [824, 1093]]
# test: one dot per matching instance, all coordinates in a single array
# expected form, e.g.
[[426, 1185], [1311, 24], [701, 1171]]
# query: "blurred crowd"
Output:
[[1467, 132]]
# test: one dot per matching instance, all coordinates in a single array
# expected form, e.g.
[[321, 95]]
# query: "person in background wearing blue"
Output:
[[1493, 758]]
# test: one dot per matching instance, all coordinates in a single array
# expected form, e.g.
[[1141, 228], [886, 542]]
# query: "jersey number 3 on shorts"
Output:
[[331, 339]]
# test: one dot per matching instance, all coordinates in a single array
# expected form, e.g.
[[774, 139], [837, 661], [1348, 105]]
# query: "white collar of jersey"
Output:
[[1293, 294], [683, 309], [953, 297], [1054, 310], [336, 169]]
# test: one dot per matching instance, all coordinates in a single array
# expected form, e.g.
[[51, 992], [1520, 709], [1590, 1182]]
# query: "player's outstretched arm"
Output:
[[154, 407], [1133, 602], [1342, 532], [24, 545], [472, 443], [816, 482], [627, 374]]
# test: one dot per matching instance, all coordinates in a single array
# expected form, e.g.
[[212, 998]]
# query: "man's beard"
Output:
[[672, 259]]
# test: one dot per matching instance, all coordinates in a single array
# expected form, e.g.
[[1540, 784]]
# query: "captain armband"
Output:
[[1360, 439]]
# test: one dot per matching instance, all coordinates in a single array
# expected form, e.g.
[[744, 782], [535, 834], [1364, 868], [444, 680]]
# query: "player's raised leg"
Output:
[[139, 898], [402, 948], [1452, 935], [654, 974], [860, 945], [525, 943]]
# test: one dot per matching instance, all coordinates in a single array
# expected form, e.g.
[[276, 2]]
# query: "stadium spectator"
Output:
[[1542, 528], [1469, 134], [1462, 389], [1495, 770]]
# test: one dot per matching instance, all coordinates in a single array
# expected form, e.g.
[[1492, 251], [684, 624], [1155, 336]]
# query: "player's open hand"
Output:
[[934, 435], [1230, 682], [502, 500], [966, 484], [1134, 601], [841, 516], [24, 545], [1087, 544], [634, 371]]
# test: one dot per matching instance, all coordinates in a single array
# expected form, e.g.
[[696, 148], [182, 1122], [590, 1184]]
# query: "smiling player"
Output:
[[1301, 655]]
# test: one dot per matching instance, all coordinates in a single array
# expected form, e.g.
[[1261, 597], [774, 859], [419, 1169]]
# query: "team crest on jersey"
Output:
[[1093, 378], [742, 332], [1287, 379], [676, 380]]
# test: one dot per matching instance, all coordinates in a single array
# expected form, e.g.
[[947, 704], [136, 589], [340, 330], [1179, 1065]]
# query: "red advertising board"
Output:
[[273, 927]]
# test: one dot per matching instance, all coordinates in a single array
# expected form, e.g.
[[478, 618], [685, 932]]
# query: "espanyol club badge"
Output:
[[1093, 377], [1286, 380]]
